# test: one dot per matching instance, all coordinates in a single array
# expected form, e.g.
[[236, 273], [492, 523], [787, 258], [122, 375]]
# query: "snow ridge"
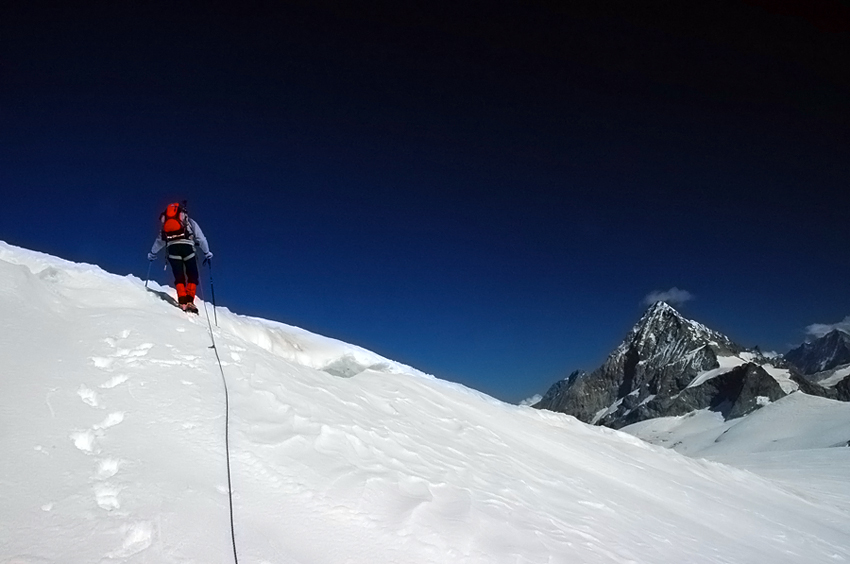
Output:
[[113, 434]]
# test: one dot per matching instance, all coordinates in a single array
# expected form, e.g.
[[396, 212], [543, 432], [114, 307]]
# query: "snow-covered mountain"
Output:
[[669, 365], [832, 384], [825, 365], [822, 354], [113, 442]]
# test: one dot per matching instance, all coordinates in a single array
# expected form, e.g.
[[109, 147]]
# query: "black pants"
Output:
[[184, 265]]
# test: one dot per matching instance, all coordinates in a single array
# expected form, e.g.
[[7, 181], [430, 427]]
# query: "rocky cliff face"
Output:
[[822, 354], [734, 394], [824, 366], [667, 365]]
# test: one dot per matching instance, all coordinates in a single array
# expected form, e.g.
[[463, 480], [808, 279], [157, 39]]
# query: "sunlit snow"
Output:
[[112, 434], [837, 376]]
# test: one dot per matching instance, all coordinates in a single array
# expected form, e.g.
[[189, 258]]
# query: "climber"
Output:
[[180, 234]]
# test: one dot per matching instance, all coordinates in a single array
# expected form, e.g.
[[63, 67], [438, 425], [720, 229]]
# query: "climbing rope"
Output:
[[226, 427]]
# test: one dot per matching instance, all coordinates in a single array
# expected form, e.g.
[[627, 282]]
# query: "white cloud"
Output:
[[673, 296], [821, 329]]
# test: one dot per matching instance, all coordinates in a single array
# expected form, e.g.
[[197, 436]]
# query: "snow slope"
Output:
[[112, 430], [799, 441], [837, 376], [795, 422]]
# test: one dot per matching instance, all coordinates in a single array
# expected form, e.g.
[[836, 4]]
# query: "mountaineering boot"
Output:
[[190, 307]]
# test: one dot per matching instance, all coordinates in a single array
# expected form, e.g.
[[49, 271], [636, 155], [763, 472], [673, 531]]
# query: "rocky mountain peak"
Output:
[[837, 337], [664, 334], [824, 353], [663, 355], [658, 318]]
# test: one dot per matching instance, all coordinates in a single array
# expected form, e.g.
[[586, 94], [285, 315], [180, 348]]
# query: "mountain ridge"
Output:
[[670, 365], [824, 353]]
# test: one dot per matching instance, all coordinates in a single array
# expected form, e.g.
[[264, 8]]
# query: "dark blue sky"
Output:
[[486, 192]]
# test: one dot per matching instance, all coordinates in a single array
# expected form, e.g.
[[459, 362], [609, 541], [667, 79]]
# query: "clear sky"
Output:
[[487, 192]]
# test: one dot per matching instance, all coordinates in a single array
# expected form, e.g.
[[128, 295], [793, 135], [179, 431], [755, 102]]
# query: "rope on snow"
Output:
[[226, 427]]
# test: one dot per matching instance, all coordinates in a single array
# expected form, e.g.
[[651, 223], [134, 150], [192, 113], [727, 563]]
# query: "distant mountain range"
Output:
[[821, 355], [669, 365]]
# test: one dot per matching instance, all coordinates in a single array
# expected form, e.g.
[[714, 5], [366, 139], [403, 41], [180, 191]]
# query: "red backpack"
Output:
[[174, 222]]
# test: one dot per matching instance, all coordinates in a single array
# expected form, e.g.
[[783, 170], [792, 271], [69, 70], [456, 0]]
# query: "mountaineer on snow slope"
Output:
[[180, 234]]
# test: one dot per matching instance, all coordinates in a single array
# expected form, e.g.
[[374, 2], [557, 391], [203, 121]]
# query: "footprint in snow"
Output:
[[88, 396], [106, 496], [137, 537], [102, 362], [84, 441], [134, 355], [111, 420], [114, 381], [107, 468]]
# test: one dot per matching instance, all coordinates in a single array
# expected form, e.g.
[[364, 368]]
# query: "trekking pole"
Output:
[[212, 291], [150, 262]]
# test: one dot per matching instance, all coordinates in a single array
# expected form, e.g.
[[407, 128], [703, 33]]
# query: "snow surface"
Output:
[[836, 377], [799, 440], [782, 377], [113, 451], [794, 422]]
